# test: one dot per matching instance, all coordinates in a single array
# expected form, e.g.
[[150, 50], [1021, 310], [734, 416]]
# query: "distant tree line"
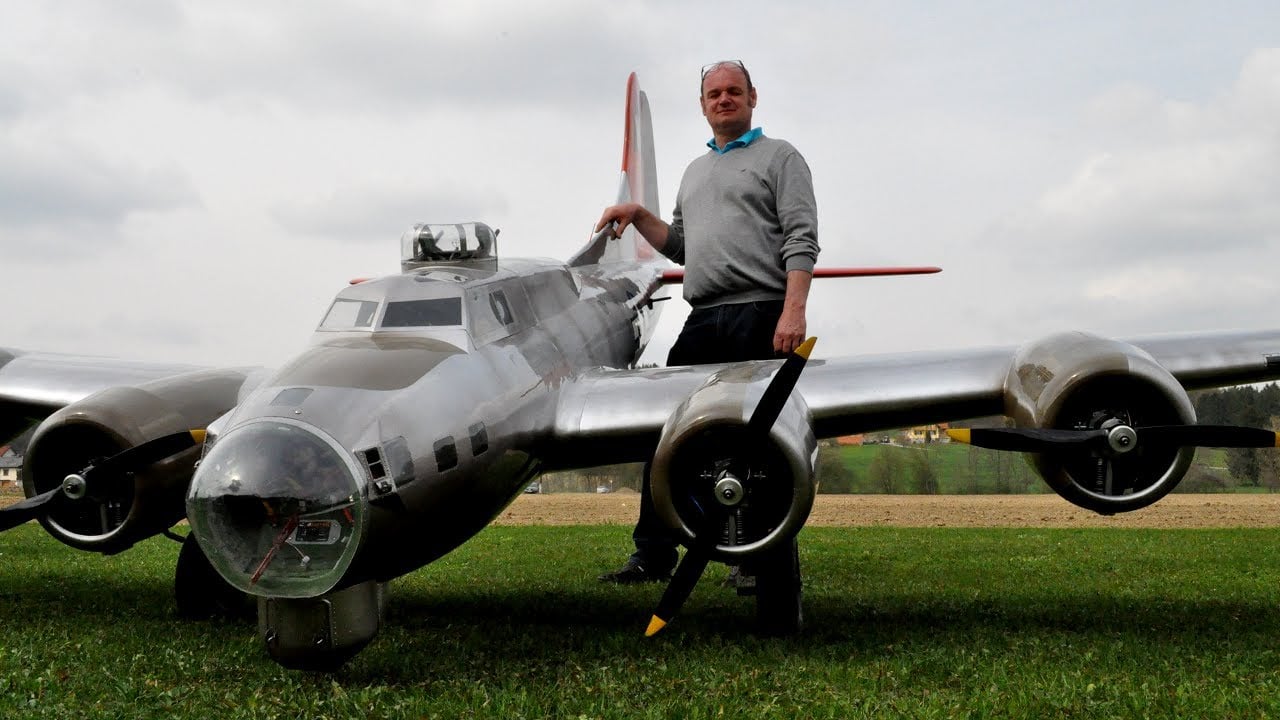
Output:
[[922, 469], [611, 478], [1249, 406]]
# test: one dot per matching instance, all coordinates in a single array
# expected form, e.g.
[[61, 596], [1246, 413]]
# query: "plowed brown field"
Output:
[[1180, 511]]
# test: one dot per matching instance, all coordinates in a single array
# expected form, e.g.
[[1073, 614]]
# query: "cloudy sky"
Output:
[[193, 181]]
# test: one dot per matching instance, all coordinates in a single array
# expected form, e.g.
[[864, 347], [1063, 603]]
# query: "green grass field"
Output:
[[903, 623]]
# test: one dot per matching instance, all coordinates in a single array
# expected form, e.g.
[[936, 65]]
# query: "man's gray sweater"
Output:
[[743, 220]]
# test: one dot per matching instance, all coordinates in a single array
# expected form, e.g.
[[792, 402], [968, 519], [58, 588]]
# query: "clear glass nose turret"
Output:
[[277, 507]]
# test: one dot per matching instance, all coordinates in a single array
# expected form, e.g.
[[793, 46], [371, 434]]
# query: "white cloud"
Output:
[[372, 58], [377, 215], [1199, 179], [70, 191]]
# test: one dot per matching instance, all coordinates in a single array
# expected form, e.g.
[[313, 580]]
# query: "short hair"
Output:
[[706, 70]]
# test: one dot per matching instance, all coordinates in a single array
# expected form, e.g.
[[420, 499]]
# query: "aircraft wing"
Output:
[[617, 416], [33, 385], [1218, 359]]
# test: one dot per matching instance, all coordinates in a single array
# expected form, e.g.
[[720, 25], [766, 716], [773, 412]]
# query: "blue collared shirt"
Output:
[[744, 140]]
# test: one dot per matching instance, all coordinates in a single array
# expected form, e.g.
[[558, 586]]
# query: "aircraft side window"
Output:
[[479, 439], [490, 314], [501, 310], [446, 453]]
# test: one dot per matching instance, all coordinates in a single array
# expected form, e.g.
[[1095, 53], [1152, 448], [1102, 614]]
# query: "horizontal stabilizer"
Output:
[[675, 276]]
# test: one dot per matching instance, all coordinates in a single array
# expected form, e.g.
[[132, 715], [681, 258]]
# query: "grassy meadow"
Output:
[[913, 623]]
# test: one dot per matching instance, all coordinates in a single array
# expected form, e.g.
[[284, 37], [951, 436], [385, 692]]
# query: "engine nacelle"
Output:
[[114, 516], [1081, 381], [706, 441]]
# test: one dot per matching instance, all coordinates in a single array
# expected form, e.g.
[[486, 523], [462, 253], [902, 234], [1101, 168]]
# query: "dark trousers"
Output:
[[720, 334]]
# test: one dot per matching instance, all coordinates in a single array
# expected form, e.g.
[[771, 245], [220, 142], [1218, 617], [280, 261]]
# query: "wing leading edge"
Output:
[[617, 416], [1215, 360], [34, 385]]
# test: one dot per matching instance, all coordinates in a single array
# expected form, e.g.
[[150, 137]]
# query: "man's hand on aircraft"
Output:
[[623, 214], [791, 325], [790, 331], [650, 226]]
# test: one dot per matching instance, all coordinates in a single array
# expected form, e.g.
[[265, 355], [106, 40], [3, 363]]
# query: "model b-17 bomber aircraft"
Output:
[[427, 400]]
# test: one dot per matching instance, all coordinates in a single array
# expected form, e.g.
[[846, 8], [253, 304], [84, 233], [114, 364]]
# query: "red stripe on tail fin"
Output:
[[638, 183]]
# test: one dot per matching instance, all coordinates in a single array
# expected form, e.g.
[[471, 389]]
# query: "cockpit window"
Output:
[[348, 314], [424, 313]]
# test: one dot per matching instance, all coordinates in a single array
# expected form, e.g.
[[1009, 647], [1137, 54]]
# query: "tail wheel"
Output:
[[779, 602]]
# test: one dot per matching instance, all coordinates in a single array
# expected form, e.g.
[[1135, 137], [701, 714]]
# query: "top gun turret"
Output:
[[471, 244]]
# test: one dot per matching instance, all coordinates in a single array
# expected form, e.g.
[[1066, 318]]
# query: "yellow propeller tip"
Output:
[[806, 347], [655, 624], [959, 435], [198, 436]]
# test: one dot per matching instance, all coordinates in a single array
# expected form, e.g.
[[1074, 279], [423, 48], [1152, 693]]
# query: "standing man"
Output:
[[745, 226]]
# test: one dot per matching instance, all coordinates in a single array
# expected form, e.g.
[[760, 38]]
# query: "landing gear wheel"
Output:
[[779, 609], [201, 592]]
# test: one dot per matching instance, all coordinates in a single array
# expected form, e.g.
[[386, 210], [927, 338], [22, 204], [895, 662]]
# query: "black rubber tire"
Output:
[[200, 591], [779, 601]]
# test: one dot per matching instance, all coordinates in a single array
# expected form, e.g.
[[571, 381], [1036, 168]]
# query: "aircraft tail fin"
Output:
[[637, 183]]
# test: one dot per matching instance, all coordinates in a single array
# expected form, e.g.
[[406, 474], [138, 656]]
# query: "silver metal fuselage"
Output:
[[449, 423]]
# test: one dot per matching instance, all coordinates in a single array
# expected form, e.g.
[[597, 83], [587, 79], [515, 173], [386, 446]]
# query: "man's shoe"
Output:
[[740, 581], [634, 573]]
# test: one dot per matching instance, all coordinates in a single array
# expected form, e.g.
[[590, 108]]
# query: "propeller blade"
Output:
[[29, 509], [1048, 440], [1037, 440], [687, 574], [694, 563], [1223, 436], [784, 381], [140, 456]]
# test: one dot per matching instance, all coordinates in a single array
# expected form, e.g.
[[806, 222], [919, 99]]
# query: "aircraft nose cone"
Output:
[[278, 508]]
